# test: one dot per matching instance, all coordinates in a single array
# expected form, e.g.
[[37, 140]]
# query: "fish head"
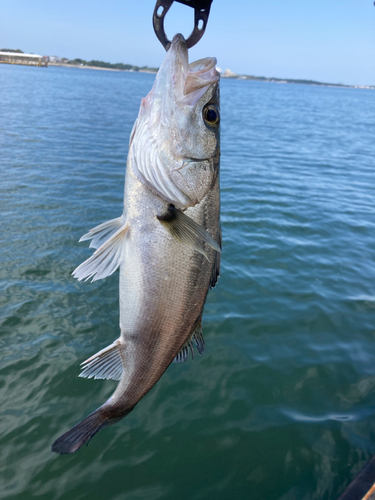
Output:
[[178, 125]]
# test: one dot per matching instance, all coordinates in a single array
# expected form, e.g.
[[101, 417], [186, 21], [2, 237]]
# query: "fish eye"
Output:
[[211, 115]]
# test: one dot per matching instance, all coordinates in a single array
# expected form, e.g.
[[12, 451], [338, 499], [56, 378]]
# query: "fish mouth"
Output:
[[195, 78], [202, 73]]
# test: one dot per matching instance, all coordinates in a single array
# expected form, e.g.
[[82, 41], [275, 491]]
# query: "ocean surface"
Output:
[[281, 406]]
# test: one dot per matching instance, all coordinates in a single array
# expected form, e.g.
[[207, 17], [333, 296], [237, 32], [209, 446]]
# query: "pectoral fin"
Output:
[[187, 231], [106, 259]]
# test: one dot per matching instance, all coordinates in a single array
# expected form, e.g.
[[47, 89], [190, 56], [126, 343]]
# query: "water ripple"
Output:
[[281, 404]]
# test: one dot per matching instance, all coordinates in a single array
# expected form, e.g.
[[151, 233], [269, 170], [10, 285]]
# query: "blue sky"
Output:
[[325, 40]]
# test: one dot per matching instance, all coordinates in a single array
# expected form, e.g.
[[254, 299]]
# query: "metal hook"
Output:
[[201, 13]]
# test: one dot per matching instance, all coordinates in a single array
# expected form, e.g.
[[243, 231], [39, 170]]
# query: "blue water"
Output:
[[281, 406]]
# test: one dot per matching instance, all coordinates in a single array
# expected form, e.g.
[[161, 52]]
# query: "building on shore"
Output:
[[25, 59], [229, 74], [54, 59]]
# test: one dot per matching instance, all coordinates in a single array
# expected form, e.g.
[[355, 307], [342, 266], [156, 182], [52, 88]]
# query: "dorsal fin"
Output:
[[100, 234], [106, 258], [105, 364]]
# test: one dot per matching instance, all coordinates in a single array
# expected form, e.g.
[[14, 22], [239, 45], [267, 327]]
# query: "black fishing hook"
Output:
[[201, 13]]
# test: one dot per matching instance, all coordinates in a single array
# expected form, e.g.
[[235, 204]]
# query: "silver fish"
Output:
[[167, 242]]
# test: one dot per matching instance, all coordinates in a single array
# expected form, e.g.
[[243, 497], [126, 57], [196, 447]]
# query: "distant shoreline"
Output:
[[232, 77], [100, 68], [301, 82], [81, 64]]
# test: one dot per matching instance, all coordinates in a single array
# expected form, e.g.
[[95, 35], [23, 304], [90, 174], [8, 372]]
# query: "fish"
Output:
[[167, 242]]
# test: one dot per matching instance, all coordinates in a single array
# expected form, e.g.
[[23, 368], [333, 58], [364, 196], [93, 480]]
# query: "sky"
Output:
[[324, 40]]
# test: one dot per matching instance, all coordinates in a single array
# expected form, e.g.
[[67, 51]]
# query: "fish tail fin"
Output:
[[80, 434]]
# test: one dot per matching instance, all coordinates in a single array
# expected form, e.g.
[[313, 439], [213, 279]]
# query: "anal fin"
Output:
[[215, 275], [105, 364], [197, 339], [187, 231]]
